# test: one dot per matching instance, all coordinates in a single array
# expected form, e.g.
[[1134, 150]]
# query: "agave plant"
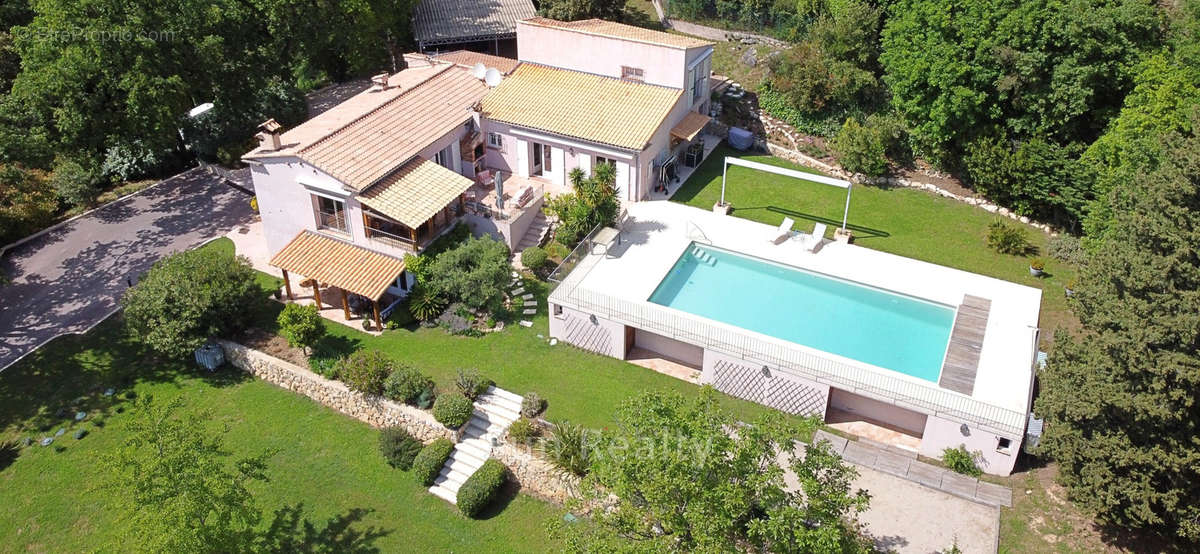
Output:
[[569, 448], [425, 304]]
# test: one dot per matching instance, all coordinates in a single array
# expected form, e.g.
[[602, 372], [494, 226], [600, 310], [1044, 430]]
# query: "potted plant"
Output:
[[1070, 288], [1036, 266]]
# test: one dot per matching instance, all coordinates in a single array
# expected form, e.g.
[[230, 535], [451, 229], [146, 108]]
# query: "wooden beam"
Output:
[[317, 293], [287, 285], [378, 324], [345, 304]]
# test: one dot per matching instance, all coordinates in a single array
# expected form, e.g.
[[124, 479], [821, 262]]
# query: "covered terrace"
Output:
[[413, 205], [329, 263]]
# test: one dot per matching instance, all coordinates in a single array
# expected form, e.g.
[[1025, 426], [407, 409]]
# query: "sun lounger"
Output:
[[785, 231], [818, 234]]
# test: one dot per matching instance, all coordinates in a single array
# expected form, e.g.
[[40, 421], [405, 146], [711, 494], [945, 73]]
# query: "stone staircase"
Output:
[[495, 410], [533, 236]]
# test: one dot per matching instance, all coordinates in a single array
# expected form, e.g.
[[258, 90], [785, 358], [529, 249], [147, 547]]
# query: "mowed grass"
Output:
[[326, 471], [902, 221]]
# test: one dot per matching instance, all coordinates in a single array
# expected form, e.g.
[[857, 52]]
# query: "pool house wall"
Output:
[[610, 338]]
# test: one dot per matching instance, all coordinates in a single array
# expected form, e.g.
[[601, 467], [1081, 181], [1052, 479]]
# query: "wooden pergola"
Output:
[[351, 268]]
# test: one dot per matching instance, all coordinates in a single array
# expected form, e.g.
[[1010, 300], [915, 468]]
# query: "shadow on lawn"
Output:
[[860, 231], [503, 499], [288, 532]]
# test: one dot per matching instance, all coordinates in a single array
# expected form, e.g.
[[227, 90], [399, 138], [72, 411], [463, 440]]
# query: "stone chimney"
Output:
[[269, 135], [379, 82]]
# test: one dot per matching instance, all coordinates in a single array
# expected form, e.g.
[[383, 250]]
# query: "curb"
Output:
[[99, 321]]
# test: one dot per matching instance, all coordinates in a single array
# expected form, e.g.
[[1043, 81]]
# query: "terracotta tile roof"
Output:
[[612, 29], [378, 142], [347, 112], [339, 264], [581, 105], [690, 125], [415, 192], [468, 59], [444, 21]]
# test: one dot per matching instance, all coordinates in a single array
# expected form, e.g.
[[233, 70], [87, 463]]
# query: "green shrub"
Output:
[[398, 447], [425, 304], [470, 383], [189, 297], [861, 148], [474, 273], [406, 384], [481, 488], [569, 448], [959, 460], [532, 404], [1066, 248], [1007, 239], [522, 431], [302, 326], [534, 258], [76, 183], [325, 367], [429, 461], [365, 371], [452, 410], [557, 250]]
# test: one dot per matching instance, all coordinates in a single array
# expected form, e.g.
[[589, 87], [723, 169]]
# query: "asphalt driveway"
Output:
[[71, 278]]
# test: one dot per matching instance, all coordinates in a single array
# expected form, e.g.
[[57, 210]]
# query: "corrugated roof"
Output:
[[467, 58], [590, 107], [415, 192], [339, 264], [442, 21], [612, 29], [377, 143], [690, 125]]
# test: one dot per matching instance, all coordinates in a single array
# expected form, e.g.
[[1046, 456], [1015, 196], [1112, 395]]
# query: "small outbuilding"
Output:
[[489, 27]]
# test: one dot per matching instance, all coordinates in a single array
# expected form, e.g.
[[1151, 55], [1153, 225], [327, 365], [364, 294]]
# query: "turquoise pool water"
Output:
[[870, 325]]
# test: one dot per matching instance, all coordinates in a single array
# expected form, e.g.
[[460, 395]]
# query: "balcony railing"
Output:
[[391, 239], [333, 220]]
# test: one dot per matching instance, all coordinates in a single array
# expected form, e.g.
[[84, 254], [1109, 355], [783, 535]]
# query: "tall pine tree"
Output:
[[1120, 400]]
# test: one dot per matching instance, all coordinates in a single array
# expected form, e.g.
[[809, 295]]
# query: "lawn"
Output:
[[903, 221], [326, 470]]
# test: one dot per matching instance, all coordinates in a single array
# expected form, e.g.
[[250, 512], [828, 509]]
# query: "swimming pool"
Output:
[[867, 324]]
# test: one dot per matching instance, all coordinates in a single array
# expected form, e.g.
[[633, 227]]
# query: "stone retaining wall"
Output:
[[536, 475], [377, 412]]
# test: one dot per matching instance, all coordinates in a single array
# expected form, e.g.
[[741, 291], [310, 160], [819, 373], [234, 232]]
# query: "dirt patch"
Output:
[[275, 345]]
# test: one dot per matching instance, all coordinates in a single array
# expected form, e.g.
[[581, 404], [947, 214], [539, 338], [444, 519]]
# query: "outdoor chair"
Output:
[[818, 234], [785, 231]]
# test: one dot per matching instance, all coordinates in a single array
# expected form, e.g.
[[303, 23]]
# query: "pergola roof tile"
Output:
[[415, 192]]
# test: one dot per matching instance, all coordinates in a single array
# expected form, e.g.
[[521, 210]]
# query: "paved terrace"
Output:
[[616, 283]]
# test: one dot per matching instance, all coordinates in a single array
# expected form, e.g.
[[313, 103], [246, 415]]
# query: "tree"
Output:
[[836, 65], [27, 202], [860, 148], [593, 201], [301, 325], [473, 273], [959, 70], [1120, 400], [175, 486], [574, 10], [189, 297], [684, 482], [1036, 178], [1164, 98]]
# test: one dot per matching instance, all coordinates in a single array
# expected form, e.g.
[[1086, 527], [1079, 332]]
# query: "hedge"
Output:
[[481, 488], [429, 461]]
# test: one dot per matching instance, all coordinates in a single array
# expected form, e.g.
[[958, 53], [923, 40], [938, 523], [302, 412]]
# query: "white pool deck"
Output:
[[656, 233]]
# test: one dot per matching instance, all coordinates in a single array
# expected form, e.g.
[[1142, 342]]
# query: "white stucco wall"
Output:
[[614, 347], [879, 411], [661, 65], [669, 347], [816, 403], [941, 434], [515, 156]]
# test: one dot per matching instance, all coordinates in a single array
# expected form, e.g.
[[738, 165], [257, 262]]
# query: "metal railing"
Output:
[[390, 239], [333, 220], [581, 251], [823, 368]]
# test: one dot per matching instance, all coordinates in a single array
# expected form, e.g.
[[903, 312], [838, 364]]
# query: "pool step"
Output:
[[703, 256]]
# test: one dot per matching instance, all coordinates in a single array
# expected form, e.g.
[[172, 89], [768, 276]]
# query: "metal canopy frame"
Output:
[[788, 173]]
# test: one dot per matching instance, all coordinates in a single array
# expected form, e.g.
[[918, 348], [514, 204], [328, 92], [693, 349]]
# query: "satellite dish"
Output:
[[479, 71], [492, 77]]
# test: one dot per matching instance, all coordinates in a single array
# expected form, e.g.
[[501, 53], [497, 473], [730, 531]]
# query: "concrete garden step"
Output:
[[479, 428], [531, 303], [462, 466], [499, 392], [497, 414], [458, 476], [528, 312], [518, 290], [444, 493], [507, 404]]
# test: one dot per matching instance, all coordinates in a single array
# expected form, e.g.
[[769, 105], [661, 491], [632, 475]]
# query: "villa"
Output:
[[937, 356], [810, 326]]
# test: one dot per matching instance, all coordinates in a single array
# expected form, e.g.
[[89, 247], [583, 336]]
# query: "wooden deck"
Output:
[[966, 341]]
